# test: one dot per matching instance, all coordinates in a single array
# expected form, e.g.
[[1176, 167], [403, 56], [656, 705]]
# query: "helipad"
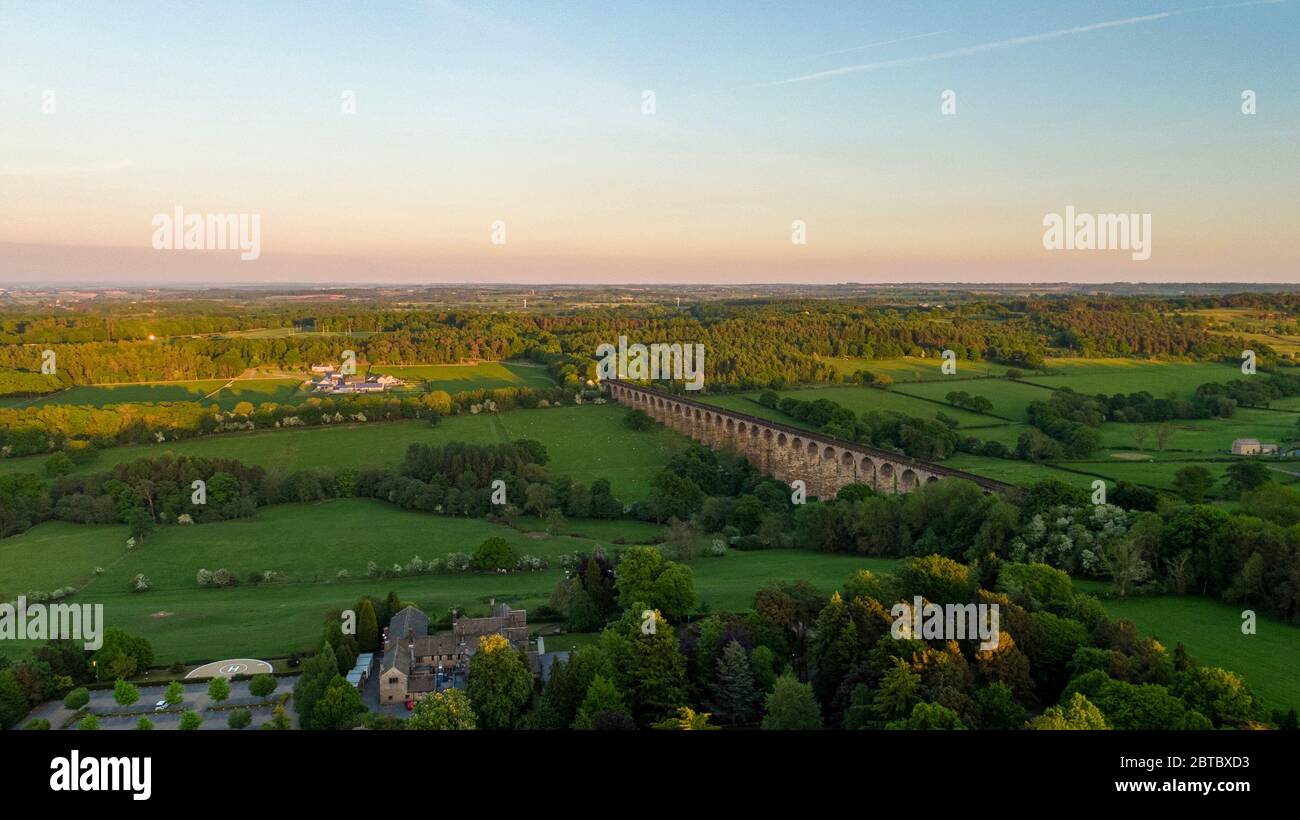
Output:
[[230, 668]]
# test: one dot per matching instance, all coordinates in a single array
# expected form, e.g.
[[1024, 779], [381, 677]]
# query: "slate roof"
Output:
[[408, 624]]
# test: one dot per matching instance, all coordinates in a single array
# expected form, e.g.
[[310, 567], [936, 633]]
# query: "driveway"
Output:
[[113, 716]]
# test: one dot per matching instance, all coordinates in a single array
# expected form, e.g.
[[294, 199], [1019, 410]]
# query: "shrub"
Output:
[[38, 724], [532, 563], [262, 685], [239, 718], [140, 583], [457, 562], [494, 553]]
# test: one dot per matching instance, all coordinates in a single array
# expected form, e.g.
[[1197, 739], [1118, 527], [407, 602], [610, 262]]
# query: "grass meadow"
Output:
[[206, 392], [459, 378], [586, 442]]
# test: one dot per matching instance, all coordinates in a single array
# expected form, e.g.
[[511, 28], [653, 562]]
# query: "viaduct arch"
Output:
[[823, 463]]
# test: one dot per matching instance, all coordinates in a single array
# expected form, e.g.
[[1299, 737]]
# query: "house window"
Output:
[[392, 680]]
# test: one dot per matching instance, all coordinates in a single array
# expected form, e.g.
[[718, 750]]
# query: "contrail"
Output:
[[873, 45], [998, 45]]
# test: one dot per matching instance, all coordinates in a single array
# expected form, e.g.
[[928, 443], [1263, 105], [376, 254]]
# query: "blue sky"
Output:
[[529, 112]]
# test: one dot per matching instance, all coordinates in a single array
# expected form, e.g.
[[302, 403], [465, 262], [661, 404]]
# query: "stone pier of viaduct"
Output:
[[823, 463]]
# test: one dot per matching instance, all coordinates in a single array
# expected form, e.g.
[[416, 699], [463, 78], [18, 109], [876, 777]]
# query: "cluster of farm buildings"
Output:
[[330, 379], [416, 663]]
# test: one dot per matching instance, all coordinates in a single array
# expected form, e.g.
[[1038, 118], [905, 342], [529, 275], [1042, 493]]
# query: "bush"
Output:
[[89, 723], [58, 465], [239, 718], [38, 724], [457, 562], [144, 724], [77, 698], [532, 563], [190, 720], [140, 583], [638, 420], [493, 554], [262, 685]]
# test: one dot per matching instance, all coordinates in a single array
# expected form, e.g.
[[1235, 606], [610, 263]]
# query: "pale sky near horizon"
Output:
[[530, 112]]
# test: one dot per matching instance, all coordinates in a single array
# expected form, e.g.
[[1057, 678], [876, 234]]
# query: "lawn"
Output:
[[459, 378], [586, 442]]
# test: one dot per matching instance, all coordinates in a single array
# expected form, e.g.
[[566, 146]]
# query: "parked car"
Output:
[[161, 706]]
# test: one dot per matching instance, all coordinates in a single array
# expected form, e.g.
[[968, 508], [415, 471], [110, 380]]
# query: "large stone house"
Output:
[[416, 663]]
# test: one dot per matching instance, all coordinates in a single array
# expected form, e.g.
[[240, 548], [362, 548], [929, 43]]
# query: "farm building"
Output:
[[1252, 447], [416, 663]]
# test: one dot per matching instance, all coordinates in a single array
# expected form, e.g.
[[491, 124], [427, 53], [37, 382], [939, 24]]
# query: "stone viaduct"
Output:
[[823, 463]]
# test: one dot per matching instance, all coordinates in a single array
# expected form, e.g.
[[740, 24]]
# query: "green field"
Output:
[[206, 392], [305, 543], [857, 399], [1110, 376], [586, 442], [459, 378], [913, 369], [1211, 631], [309, 544], [1009, 398]]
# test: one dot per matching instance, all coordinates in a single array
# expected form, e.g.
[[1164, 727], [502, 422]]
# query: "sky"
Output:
[[386, 142]]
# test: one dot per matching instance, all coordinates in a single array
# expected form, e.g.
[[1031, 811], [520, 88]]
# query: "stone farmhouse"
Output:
[[1252, 447], [416, 663]]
